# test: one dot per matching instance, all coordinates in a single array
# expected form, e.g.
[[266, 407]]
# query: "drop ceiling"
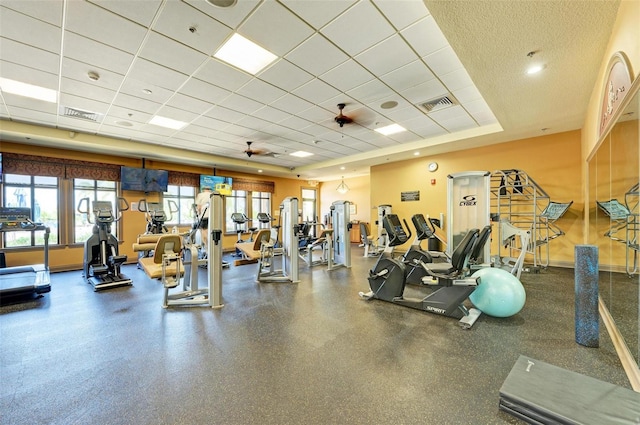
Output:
[[116, 64]]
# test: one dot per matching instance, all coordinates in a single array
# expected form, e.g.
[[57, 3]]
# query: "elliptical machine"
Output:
[[451, 286], [101, 265], [156, 215]]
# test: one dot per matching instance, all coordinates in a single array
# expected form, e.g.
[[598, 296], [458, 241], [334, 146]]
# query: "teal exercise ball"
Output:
[[499, 293]]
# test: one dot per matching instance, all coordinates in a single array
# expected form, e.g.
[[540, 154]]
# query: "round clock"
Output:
[[433, 166]]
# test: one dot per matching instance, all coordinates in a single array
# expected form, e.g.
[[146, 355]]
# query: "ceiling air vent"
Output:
[[439, 103], [79, 113]]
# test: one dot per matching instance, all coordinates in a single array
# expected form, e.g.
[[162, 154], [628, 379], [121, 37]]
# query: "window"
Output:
[[235, 203], [95, 190], [38, 193], [260, 203], [184, 198]]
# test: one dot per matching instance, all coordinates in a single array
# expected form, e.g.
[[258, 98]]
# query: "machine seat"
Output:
[[252, 250], [167, 244]]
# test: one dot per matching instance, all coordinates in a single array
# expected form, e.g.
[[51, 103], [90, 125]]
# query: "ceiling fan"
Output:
[[250, 152], [342, 119]]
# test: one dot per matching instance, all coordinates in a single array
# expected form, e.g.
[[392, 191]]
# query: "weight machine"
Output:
[[339, 240], [156, 215], [21, 281]]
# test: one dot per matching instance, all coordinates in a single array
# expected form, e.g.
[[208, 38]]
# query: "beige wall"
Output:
[[358, 195], [552, 161]]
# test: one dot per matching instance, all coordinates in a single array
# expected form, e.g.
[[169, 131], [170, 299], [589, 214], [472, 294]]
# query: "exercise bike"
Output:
[[101, 265], [449, 281]]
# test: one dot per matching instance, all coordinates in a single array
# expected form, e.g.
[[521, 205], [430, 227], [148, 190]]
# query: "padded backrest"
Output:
[[167, 244], [480, 243], [364, 231], [463, 250], [263, 236]]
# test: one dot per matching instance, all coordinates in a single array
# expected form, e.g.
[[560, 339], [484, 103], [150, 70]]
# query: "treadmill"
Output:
[[20, 282]]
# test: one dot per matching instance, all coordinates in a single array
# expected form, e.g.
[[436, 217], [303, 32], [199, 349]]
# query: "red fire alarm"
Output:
[[433, 181]]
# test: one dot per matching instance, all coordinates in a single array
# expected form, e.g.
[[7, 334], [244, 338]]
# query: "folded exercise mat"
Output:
[[540, 393]]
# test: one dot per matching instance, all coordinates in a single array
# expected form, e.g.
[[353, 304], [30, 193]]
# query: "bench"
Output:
[[252, 251]]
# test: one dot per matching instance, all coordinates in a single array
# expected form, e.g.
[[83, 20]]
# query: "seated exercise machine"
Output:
[[265, 220], [101, 265], [450, 281], [240, 219], [156, 215], [175, 262], [371, 248], [286, 252], [415, 255], [309, 245], [19, 282]]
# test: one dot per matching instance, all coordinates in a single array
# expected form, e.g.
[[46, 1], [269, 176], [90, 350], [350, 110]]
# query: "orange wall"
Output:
[[552, 161]]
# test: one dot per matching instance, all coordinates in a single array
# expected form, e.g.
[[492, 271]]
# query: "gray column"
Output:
[[586, 292]]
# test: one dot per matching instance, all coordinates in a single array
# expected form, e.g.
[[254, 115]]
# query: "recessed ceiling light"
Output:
[[389, 105], [301, 154], [342, 168], [259, 171], [245, 54], [416, 153], [146, 91], [534, 69], [222, 3], [28, 90], [391, 129], [124, 123], [168, 123]]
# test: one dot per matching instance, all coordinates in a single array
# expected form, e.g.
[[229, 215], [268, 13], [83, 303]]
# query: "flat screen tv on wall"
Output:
[[144, 179]]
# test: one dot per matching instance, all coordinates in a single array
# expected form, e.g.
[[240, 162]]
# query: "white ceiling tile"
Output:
[[29, 75], [448, 113], [171, 54], [26, 112], [478, 105], [285, 75], [82, 103], [424, 92], [394, 50], [316, 55], [141, 89], [119, 113], [425, 36], [292, 104], [222, 75], [402, 13], [177, 114], [230, 16], [318, 13], [467, 94], [96, 54], [29, 56], [49, 11], [136, 103], [422, 125], [371, 91], [347, 75], [188, 103], [241, 104], [141, 12], [316, 114], [204, 91], [271, 114], [316, 91], [88, 90], [408, 76], [405, 137], [456, 80], [89, 20], [152, 73], [402, 114], [261, 91], [39, 34], [254, 123], [79, 71], [260, 25], [358, 28], [77, 123], [204, 125], [484, 117], [443, 61], [178, 17], [458, 124], [224, 114], [294, 122]]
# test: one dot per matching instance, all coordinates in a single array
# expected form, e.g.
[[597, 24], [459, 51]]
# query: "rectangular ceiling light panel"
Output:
[[28, 90], [168, 123], [245, 54]]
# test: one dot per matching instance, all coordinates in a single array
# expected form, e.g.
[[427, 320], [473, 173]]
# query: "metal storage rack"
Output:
[[518, 199]]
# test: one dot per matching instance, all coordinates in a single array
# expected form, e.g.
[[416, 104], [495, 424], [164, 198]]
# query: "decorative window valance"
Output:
[[253, 185], [179, 178], [33, 165]]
